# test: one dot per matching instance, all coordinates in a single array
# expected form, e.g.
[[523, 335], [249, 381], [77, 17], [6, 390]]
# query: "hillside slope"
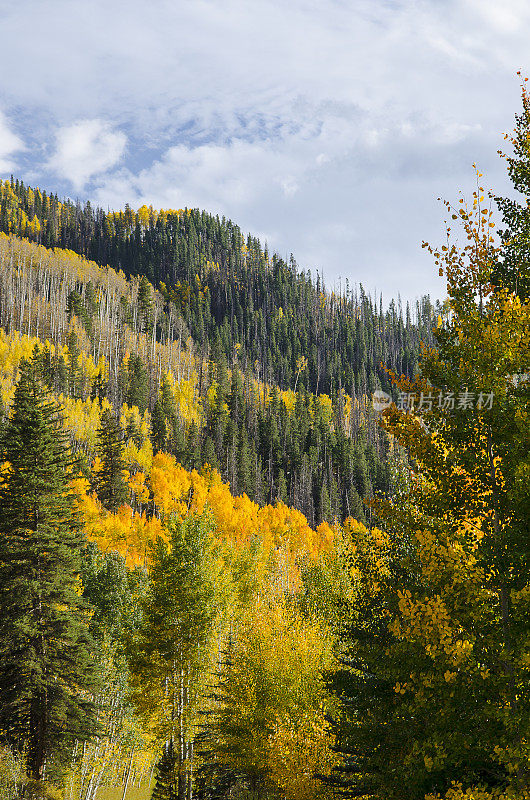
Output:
[[233, 295]]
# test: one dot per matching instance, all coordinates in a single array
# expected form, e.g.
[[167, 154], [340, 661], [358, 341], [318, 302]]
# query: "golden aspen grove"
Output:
[[224, 573]]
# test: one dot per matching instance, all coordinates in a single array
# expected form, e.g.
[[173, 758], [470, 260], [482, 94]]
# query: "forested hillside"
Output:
[[233, 295], [121, 340], [164, 392], [223, 574]]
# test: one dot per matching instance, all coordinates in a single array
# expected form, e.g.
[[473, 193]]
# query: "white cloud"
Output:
[[84, 149], [10, 143], [301, 120], [508, 17]]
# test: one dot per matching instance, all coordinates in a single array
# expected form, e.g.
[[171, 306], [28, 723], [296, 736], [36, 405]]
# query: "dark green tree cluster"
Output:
[[321, 466], [166, 775], [83, 305]]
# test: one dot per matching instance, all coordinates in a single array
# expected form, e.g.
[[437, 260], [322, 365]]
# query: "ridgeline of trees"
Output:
[[232, 294]]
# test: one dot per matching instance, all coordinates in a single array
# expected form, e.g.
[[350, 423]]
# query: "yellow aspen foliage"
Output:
[[438, 689], [138, 487], [276, 692], [326, 408], [289, 399], [177, 491]]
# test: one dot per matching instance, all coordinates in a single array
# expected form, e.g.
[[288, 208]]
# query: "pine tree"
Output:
[[168, 401], [46, 653], [208, 453], [282, 493], [158, 427], [110, 482], [74, 376], [215, 778], [145, 302], [178, 443], [513, 267], [137, 384], [244, 465], [167, 775], [355, 506]]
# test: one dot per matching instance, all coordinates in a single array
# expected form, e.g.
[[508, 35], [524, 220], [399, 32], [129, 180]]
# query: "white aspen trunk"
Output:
[[189, 771], [154, 335], [12, 315], [179, 351], [22, 297], [128, 775]]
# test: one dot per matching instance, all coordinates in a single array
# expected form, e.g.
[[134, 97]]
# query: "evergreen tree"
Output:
[[133, 430], [73, 364], [244, 466], [216, 778], [46, 658], [167, 775], [282, 487], [355, 506], [208, 453], [513, 268], [168, 401], [110, 483], [137, 384], [61, 373], [158, 427], [178, 443], [145, 303]]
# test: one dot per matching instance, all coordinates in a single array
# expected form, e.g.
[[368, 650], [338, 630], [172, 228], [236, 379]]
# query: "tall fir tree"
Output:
[[109, 480], [512, 269], [47, 672], [167, 775], [137, 384], [158, 427]]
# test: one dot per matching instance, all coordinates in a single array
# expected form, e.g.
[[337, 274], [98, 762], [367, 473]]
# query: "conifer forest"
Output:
[[227, 572]]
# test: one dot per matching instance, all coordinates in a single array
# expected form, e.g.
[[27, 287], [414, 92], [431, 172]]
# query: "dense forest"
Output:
[[232, 294], [125, 341], [225, 574]]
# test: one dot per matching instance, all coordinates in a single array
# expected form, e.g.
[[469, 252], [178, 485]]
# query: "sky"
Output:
[[328, 128]]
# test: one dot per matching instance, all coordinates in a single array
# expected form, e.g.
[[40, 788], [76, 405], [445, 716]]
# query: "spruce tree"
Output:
[[46, 654], [145, 303], [167, 400], [158, 428], [512, 270], [178, 443], [74, 377], [137, 384], [110, 482], [167, 775]]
